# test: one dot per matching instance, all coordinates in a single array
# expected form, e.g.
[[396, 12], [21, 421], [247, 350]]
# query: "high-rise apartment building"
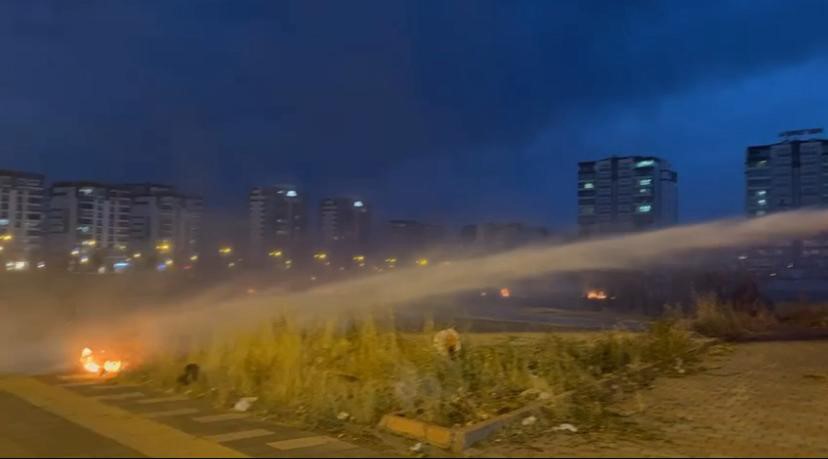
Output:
[[344, 221], [165, 225], [622, 194], [787, 175], [21, 217], [87, 223], [277, 220]]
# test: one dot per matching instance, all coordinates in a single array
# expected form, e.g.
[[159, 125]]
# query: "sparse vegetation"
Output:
[[716, 318], [324, 373]]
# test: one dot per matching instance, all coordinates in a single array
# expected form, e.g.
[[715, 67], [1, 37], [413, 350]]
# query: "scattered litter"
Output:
[[416, 448], [244, 403], [528, 421], [565, 426], [343, 416]]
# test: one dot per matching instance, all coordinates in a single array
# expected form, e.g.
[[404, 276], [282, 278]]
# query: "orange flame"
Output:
[[91, 365], [596, 294]]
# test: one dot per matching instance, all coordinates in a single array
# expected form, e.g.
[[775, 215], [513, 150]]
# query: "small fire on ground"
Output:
[[98, 365], [596, 294]]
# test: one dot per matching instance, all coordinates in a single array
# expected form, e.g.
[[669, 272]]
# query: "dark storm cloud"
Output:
[[221, 95]]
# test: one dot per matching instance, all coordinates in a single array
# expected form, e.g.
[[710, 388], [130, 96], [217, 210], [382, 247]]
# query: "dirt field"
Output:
[[760, 399]]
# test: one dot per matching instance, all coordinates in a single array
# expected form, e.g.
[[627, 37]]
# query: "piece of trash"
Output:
[[528, 421], [565, 426], [244, 403], [447, 342], [342, 416], [190, 374], [417, 448]]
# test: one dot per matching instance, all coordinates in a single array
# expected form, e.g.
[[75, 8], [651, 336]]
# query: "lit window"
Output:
[[762, 202], [589, 185], [644, 208], [291, 194], [86, 191], [761, 192], [645, 163], [358, 204], [645, 182], [643, 190]]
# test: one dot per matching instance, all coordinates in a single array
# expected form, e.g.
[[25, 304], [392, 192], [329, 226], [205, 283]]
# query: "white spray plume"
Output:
[[160, 329]]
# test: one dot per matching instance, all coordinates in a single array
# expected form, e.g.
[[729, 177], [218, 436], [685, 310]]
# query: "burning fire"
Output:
[[92, 365], [596, 294]]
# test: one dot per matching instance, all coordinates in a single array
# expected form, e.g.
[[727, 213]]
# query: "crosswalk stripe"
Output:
[[124, 396], [221, 417], [169, 413], [242, 435], [112, 386], [172, 398], [80, 384], [296, 443]]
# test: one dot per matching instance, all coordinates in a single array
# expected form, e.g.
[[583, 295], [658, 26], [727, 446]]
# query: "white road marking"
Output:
[[124, 396], [221, 417], [244, 434], [80, 384], [169, 413], [172, 398], [113, 386], [297, 443]]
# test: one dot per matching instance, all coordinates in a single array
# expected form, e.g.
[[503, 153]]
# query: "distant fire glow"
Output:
[[91, 364], [505, 292], [596, 294]]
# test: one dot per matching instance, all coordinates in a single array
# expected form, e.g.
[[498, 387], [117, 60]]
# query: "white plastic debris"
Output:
[[417, 448], [447, 342], [528, 421], [565, 427], [244, 403], [342, 416]]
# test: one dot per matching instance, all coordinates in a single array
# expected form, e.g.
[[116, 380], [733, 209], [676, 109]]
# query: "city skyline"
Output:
[[378, 97]]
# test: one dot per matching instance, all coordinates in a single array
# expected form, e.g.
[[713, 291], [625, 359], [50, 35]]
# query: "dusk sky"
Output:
[[452, 112]]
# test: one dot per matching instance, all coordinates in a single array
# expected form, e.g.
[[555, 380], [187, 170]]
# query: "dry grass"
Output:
[[720, 319], [313, 373]]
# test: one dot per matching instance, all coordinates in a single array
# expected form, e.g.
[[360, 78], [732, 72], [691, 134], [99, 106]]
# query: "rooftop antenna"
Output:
[[788, 136]]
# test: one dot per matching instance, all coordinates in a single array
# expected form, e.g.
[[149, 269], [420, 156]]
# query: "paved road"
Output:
[[75, 416], [28, 431]]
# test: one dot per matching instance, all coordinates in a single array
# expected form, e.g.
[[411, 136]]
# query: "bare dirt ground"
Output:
[[758, 400]]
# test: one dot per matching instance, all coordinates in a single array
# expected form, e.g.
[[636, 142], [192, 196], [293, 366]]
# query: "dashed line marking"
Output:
[[221, 417], [124, 396], [297, 443], [170, 413], [241, 435], [172, 398]]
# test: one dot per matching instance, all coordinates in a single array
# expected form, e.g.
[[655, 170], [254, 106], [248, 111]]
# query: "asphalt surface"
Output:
[[29, 431]]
